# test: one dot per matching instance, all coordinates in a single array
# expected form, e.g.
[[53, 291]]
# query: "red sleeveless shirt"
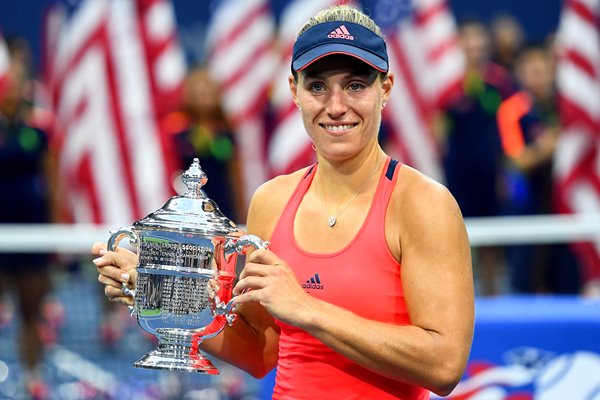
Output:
[[364, 278]]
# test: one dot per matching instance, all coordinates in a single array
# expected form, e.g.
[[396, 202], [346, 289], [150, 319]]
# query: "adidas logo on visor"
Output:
[[340, 33]]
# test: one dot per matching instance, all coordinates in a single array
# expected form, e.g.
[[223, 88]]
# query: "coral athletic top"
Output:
[[364, 278]]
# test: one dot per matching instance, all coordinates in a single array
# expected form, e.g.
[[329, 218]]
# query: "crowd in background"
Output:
[[497, 141]]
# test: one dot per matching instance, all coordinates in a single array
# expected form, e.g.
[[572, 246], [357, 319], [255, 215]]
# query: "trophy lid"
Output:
[[193, 212]]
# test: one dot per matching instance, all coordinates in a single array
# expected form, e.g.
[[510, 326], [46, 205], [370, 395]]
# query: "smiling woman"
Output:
[[366, 290], [341, 99]]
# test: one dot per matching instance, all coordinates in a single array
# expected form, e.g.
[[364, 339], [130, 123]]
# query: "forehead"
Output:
[[336, 63]]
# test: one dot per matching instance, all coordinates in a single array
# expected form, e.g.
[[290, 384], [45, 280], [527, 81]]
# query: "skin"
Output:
[[424, 231], [475, 41]]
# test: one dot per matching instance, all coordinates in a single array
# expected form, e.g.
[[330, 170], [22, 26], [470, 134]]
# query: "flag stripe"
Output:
[[112, 68], [241, 59], [577, 159], [4, 65]]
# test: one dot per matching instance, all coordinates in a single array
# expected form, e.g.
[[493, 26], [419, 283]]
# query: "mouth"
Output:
[[337, 128]]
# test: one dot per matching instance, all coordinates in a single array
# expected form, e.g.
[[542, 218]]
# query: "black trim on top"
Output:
[[309, 171], [391, 168]]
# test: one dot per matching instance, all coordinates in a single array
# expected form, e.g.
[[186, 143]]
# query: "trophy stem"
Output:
[[177, 351]]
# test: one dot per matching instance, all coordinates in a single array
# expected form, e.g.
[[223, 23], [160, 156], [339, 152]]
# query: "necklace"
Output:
[[333, 218]]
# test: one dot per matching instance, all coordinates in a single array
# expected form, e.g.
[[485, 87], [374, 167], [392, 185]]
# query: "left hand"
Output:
[[269, 280]]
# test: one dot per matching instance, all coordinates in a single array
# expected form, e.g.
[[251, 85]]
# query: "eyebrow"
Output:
[[320, 74]]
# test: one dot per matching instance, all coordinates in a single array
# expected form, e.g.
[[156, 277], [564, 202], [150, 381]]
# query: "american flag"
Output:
[[241, 57], [428, 63], [4, 64], [577, 159], [112, 67], [289, 146]]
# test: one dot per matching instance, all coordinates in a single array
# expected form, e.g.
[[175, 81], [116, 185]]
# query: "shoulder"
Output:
[[414, 188], [269, 201], [422, 203]]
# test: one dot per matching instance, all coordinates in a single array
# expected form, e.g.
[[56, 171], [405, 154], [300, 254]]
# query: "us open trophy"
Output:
[[187, 258]]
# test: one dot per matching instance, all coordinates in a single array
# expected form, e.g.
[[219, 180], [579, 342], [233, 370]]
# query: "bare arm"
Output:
[[252, 342], [538, 152], [437, 281]]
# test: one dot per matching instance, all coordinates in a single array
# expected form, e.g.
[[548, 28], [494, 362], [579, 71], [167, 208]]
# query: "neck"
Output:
[[338, 180]]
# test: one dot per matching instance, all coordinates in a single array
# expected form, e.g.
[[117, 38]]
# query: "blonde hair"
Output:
[[344, 13]]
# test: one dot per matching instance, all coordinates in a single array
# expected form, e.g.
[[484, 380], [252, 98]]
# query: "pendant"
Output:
[[332, 221]]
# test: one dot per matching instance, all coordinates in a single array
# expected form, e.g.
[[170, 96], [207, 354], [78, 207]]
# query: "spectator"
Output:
[[23, 177], [529, 127], [472, 153], [201, 130], [507, 40]]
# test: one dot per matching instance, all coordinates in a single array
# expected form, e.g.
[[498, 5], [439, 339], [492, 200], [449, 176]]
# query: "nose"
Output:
[[336, 103]]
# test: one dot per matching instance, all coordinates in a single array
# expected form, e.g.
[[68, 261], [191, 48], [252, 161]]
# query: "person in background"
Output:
[[393, 315], [24, 167], [529, 128], [507, 40], [201, 130], [472, 154]]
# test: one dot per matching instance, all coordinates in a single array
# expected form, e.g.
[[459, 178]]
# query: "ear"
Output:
[[387, 85], [293, 89]]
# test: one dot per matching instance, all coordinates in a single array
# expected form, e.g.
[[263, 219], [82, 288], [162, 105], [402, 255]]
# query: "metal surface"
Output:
[[187, 255]]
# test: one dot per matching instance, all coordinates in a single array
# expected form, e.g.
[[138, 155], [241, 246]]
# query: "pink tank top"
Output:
[[364, 278]]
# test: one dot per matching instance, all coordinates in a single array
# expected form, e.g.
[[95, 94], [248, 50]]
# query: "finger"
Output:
[[123, 261], [264, 256], [111, 291], [115, 294], [250, 282], [98, 247], [128, 301], [115, 274], [253, 269], [106, 281], [247, 297]]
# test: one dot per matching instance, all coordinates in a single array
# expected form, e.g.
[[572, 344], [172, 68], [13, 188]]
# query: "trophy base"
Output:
[[157, 359]]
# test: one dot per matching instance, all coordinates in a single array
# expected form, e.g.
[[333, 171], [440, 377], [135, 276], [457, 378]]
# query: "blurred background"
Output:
[[103, 103]]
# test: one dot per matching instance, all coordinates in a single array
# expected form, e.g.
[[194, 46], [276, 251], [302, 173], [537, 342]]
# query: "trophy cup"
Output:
[[187, 259]]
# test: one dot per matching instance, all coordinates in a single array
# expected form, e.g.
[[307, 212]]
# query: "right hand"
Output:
[[114, 269]]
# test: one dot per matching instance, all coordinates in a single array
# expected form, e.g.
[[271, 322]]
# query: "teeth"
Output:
[[337, 127]]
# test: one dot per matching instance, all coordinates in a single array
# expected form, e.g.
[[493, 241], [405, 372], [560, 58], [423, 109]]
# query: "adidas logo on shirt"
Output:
[[313, 283], [341, 33]]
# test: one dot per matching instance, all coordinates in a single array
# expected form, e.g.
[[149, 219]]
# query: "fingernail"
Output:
[[125, 277], [97, 260], [102, 252]]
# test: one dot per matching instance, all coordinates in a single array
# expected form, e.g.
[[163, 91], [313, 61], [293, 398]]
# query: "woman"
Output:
[[366, 290], [25, 178], [208, 137]]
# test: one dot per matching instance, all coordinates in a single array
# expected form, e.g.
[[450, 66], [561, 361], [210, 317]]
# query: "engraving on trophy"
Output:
[[165, 253]]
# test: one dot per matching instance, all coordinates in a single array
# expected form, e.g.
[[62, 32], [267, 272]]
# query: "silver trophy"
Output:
[[187, 265]]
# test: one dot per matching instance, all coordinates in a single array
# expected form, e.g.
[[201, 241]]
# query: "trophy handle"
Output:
[[113, 243], [239, 246]]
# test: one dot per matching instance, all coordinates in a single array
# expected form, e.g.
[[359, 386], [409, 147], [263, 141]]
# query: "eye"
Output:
[[356, 86], [316, 87]]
